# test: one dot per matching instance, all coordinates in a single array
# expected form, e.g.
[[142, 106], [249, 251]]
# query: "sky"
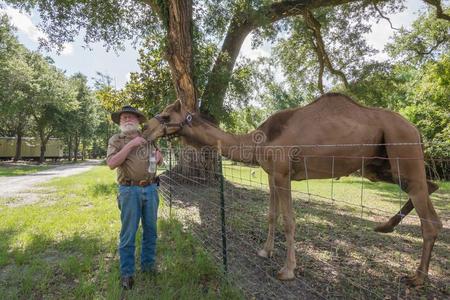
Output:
[[75, 57]]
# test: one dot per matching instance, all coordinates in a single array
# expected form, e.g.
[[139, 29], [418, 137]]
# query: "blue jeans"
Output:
[[137, 203]]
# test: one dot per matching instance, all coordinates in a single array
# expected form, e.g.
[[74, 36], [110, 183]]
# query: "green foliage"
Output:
[[110, 22], [429, 106], [38, 99], [245, 120], [428, 38], [113, 22], [15, 82], [343, 29]]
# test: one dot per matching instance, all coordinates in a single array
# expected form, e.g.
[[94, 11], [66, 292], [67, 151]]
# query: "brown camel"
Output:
[[331, 137]]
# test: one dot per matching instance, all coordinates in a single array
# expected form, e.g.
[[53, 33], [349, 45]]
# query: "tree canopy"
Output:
[[40, 100], [201, 40]]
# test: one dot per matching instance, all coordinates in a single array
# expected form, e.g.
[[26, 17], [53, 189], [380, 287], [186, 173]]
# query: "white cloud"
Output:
[[25, 25], [248, 52], [67, 49]]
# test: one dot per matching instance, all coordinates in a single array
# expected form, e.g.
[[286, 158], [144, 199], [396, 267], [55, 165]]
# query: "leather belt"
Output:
[[138, 183]]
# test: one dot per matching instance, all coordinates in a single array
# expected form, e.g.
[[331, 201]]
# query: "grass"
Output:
[[338, 253], [66, 248], [345, 191]]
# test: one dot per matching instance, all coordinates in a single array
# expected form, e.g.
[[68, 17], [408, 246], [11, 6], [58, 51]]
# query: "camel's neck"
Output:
[[235, 147]]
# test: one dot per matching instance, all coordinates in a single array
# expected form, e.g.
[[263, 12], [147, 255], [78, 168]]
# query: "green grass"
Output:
[[345, 191], [66, 248], [335, 237], [21, 170]]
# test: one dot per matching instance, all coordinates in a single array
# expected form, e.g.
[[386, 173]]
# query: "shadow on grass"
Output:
[[103, 189], [338, 253], [46, 266], [84, 267]]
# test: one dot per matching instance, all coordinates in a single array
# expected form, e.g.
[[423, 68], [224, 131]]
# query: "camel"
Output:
[[331, 137]]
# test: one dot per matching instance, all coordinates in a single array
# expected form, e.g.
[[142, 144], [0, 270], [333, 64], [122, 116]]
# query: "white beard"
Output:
[[129, 129]]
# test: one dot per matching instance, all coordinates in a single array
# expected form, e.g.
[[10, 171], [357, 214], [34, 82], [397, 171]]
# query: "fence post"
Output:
[[222, 214], [170, 180]]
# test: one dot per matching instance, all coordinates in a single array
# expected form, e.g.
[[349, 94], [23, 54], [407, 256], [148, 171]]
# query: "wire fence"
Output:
[[225, 205]]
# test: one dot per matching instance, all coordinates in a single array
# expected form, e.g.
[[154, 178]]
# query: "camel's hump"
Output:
[[334, 99], [330, 103]]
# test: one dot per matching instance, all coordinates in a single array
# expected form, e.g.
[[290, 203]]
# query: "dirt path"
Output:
[[23, 188]]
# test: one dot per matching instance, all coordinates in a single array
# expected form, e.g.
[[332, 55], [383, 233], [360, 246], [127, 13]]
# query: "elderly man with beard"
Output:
[[138, 196]]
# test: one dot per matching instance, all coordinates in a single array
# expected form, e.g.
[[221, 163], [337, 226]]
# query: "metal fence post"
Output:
[[222, 215], [170, 180]]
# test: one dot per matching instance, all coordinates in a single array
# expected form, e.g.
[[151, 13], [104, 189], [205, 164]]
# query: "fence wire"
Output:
[[225, 206]]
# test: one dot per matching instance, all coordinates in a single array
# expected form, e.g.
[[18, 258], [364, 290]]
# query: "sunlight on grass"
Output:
[[68, 249], [351, 190]]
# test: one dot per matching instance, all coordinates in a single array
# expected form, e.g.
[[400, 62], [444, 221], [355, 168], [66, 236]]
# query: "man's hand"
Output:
[[137, 141], [159, 157], [117, 159]]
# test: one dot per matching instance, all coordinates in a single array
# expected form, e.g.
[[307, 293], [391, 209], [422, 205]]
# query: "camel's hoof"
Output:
[[384, 228], [285, 274], [414, 280], [264, 253]]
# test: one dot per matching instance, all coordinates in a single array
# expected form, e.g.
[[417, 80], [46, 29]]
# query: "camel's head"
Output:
[[170, 121]]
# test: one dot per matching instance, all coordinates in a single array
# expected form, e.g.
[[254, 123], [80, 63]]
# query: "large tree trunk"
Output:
[[179, 56], [83, 150], [76, 146], [44, 141], [179, 51], [69, 149], [18, 154]]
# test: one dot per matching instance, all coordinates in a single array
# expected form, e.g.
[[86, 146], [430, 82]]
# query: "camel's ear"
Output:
[[177, 106]]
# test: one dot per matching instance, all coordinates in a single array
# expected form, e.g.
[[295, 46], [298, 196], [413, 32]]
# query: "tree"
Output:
[[15, 84], [84, 114], [180, 21], [51, 97], [428, 39]]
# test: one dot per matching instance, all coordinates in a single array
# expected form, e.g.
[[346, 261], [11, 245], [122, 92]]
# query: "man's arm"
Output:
[[118, 158]]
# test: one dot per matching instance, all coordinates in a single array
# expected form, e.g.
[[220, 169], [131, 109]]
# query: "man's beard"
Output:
[[129, 128]]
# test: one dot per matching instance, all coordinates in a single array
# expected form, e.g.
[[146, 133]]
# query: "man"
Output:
[[138, 196]]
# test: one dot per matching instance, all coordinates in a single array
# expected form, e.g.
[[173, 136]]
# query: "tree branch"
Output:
[[240, 26], [155, 7], [439, 11], [383, 16], [319, 47], [321, 65], [434, 47]]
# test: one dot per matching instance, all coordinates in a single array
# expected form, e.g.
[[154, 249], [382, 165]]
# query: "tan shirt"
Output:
[[135, 166]]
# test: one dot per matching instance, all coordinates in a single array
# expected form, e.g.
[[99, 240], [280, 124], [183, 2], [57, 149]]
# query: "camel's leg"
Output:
[[389, 226], [430, 225], [283, 195], [404, 211], [267, 250]]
